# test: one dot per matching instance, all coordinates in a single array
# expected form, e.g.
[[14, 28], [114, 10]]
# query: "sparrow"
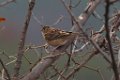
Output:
[[56, 37]]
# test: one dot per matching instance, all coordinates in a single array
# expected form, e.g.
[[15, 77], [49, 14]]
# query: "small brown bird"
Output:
[[56, 37]]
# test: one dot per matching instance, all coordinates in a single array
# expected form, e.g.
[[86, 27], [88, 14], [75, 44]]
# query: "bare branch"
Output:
[[79, 26], [114, 65], [22, 41]]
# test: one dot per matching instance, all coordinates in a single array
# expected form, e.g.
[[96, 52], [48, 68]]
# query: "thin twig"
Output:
[[6, 71], [14, 59], [6, 2], [96, 70], [58, 21], [58, 72], [36, 19], [33, 47]]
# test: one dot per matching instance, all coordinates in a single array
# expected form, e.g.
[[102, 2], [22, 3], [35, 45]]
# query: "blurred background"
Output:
[[48, 12]]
